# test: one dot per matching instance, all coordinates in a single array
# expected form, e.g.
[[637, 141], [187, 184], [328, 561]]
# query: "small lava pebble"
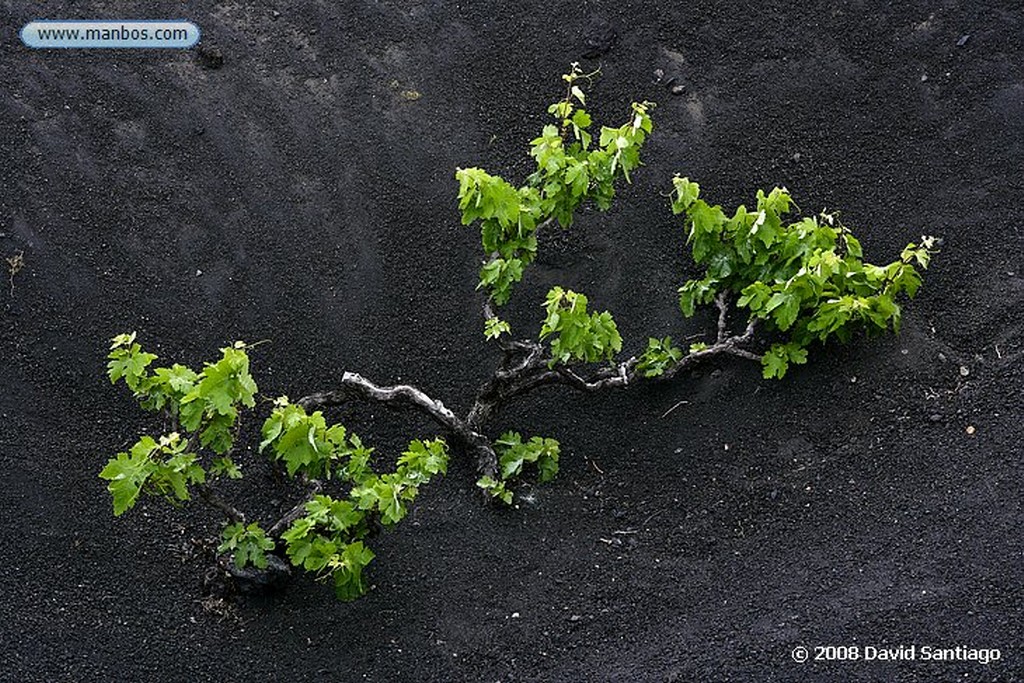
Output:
[[209, 57]]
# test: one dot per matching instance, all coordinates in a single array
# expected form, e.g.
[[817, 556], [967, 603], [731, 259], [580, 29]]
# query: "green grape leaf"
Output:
[[775, 363], [247, 544], [514, 454], [786, 307], [225, 467], [128, 361], [755, 296], [581, 119], [348, 569], [496, 489], [128, 472], [218, 435], [660, 355], [576, 334], [495, 327], [685, 194]]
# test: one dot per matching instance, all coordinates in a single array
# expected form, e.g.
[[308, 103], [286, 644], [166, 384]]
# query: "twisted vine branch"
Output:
[[525, 366], [355, 386], [218, 503]]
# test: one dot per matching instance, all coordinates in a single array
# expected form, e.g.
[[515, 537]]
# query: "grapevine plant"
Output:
[[795, 280]]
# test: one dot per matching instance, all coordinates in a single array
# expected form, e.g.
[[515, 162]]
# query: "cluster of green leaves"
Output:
[[162, 468], [204, 405], [807, 279], [513, 455], [577, 334], [330, 538], [660, 355], [389, 494], [247, 544], [495, 327], [308, 447], [570, 169]]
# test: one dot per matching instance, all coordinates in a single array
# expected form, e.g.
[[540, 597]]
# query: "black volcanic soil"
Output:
[[295, 194]]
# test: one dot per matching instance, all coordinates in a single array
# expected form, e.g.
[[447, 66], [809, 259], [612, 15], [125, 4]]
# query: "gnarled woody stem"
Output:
[[299, 510], [218, 503], [625, 374], [525, 366], [354, 386]]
